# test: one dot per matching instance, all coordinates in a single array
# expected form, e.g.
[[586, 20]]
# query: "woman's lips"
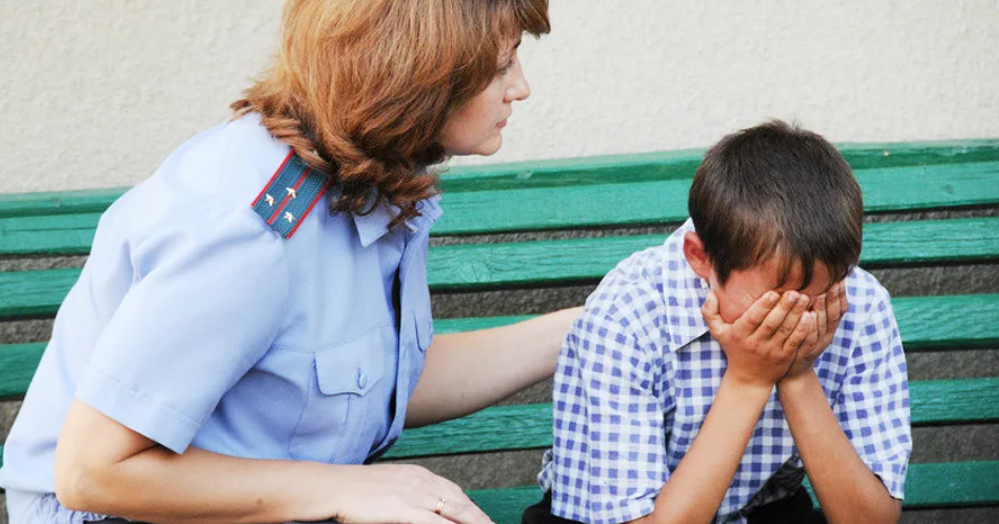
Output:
[[502, 124]]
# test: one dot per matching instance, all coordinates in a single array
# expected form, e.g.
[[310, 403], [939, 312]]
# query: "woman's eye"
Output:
[[502, 71]]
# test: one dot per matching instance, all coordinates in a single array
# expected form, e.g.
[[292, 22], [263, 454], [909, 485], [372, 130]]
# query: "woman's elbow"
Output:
[[82, 485]]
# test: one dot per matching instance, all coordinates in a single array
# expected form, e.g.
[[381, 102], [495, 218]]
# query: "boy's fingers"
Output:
[[711, 314], [834, 307], [784, 316], [801, 333], [821, 315], [844, 304], [812, 338], [750, 321]]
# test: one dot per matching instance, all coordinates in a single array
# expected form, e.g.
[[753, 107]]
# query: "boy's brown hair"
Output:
[[777, 190]]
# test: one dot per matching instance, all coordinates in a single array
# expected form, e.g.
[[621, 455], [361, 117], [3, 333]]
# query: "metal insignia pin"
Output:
[[289, 217], [269, 199], [291, 192]]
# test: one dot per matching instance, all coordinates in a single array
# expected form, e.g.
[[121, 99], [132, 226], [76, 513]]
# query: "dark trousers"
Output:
[[796, 509]]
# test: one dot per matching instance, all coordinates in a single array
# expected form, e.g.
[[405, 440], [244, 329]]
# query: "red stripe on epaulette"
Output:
[[307, 211], [273, 177], [287, 197]]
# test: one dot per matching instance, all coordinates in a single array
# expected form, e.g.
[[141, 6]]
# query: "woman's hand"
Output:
[[105, 467], [397, 494]]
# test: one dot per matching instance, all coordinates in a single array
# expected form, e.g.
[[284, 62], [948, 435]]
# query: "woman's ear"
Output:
[[698, 259]]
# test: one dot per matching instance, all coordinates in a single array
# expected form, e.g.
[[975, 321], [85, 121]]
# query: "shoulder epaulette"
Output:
[[290, 195]]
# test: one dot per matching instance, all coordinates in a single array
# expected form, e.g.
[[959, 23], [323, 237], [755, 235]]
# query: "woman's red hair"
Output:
[[362, 89]]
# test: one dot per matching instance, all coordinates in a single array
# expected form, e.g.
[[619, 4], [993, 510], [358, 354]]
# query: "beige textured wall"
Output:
[[96, 93]]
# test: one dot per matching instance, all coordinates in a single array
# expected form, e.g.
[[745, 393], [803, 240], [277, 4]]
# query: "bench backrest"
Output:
[[623, 194]]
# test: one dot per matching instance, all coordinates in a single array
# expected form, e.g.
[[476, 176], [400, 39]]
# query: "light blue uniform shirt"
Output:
[[195, 323]]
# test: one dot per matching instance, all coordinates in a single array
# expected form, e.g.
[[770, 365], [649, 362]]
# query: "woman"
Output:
[[232, 353]]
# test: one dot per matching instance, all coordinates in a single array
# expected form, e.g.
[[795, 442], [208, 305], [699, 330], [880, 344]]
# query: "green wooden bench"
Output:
[[615, 200]]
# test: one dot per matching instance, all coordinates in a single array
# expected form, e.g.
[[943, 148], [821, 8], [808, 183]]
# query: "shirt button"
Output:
[[362, 379]]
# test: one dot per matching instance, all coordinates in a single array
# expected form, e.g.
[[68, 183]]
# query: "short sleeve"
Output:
[[609, 449], [207, 300], [873, 404]]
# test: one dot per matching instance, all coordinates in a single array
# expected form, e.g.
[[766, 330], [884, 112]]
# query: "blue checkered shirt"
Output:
[[638, 373]]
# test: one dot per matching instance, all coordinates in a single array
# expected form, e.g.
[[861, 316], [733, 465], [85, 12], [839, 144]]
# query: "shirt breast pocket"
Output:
[[344, 393]]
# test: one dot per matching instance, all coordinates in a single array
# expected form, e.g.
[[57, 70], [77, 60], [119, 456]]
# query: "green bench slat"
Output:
[[579, 260], [646, 167], [48, 235], [468, 267], [529, 426], [933, 485], [933, 402], [665, 201], [926, 323], [566, 172], [58, 202], [34, 293], [953, 484], [18, 362], [948, 322], [609, 204]]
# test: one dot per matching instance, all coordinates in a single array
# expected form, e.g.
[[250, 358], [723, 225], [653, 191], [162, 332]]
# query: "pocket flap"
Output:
[[353, 367]]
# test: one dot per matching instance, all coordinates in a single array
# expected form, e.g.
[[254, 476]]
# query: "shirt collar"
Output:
[[374, 225], [685, 292]]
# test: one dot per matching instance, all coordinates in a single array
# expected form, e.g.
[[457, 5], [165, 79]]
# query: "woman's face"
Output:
[[476, 127]]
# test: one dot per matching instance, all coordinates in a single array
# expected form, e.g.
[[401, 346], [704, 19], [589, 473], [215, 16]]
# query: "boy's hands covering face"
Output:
[[762, 344], [777, 339], [829, 309]]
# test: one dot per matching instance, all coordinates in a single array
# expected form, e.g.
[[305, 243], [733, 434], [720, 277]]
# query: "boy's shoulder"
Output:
[[651, 271], [649, 291], [865, 293]]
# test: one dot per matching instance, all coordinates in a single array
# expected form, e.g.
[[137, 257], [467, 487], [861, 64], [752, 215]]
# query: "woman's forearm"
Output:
[[466, 372], [696, 489], [102, 467], [846, 488]]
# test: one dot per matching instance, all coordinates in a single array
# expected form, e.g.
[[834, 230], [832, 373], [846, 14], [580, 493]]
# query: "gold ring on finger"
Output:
[[440, 505]]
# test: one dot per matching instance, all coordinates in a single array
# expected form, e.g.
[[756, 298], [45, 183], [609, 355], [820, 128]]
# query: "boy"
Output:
[[707, 375]]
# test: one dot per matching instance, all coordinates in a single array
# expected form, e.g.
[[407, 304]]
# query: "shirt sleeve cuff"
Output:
[[892, 475], [136, 411], [611, 512]]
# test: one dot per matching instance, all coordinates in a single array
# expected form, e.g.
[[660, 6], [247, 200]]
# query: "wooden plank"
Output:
[[565, 172], [58, 202], [949, 485], [953, 322], [957, 401], [933, 485], [665, 201], [645, 167], [557, 262], [528, 426], [528, 264], [48, 235], [26, 294], [17, 365], [927, 486], [584, 206], [948, 322]]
